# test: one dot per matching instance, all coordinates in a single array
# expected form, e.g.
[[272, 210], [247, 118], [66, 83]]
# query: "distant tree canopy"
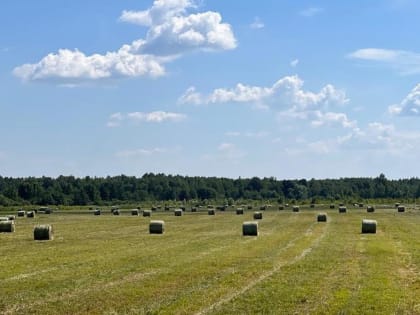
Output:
[[70, 190]]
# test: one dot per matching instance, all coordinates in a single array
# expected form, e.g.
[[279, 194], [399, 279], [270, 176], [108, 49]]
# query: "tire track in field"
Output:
[[269, 273]]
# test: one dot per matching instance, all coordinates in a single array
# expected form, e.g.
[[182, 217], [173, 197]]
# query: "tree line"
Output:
[[70, 190]]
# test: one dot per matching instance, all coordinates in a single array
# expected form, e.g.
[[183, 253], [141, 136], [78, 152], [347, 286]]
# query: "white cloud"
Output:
[[248, 134], [172, 32], [333, 118], [405, 62], [257, 23], [229, 151], [294, 63], [233, 133], [312, 11], [286, 91], [116, 119], [409, 106], [140, 152]]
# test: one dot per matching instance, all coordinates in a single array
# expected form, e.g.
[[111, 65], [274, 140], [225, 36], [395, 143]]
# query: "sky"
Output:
[[285, 89]]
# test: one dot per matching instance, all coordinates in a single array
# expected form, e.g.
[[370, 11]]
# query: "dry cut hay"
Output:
[[211, 212], [135, 212], [296, 209], [250, 228], [342, 209], [21, 213], [369, 226], [30, 214], [258, 215], [240, 211], [43, 232], [401, 208], [178, 212], [7, 226], [97, 212], [156, 227], [321, 217], [147, 213], [370, 209]]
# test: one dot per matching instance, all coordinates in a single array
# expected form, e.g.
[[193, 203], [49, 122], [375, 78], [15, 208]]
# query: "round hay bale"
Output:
[[211, 212], [332, 206], [30, 214], [258, 215], [263, 208], [342, 209], [369, 226], [249, 207], [240, 211], [43, 232], [135, 212], [193, 209], [397, 204], [250, 228], [7, 226], [178, 212], [47, 211], [21, 213], [312, 205], [281, 207], [321, 217], [11, 217], [156, 227], [4, 219], [167, 208], [370, 209], [147, 213], [116, 212], [401, 208], [341, 205], [361, 205], [286, 205], [154, 208], [296, 209], [97, 212]]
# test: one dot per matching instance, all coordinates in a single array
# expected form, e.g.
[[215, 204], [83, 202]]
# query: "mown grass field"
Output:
[[203, 265]]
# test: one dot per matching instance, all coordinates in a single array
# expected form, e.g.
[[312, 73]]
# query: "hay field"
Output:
[[203, 265]]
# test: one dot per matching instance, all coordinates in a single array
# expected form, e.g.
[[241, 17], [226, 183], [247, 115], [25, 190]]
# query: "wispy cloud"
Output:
[[409, 106], [294, 63], [257, 23], [172, 32], [312, 11], [116, 119], [402, 61], [140, 152]]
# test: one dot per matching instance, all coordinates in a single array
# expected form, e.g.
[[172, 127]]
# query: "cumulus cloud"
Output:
[[405, 62], [140, 152], [286, 91], [257, 23], [312, 11], [409, 106], [116, 119], [172, 32]]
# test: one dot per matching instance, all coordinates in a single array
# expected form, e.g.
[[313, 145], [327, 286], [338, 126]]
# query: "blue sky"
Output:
[[290, 89]]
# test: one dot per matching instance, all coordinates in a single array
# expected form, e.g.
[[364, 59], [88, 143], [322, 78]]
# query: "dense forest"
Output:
[[70, 190]]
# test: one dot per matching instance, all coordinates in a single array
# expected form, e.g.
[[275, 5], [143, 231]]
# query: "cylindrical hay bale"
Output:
[[21, 213], [30, 214], [97, 212], [332, 206], [263, 208], [135, 212], [295, 208], [7, 226], [240, 211], [361, 205], [154, 208], [178, 212], [211, 212], [342, 209], [4, 218], [312, 205], [369, 226], [321, 217], [250, 228], [11, 217], [249, 207], [397, 204], [47, 211], [43, 232], [401, 208], [156, 227], [341, 205], [281, 207], [147, 213], [194, 209], [370, 209], [257, 215], [116, 212]]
